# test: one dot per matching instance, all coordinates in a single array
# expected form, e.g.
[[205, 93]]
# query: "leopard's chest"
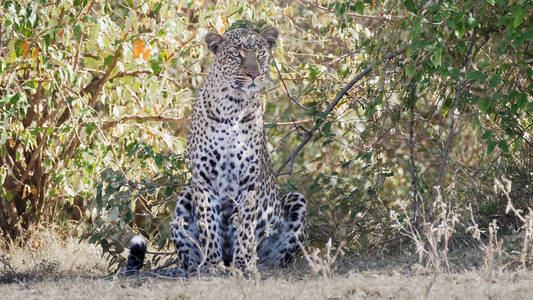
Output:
[[228, 153]]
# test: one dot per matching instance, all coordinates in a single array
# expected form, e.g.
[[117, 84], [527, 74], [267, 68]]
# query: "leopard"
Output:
[[233, 213]]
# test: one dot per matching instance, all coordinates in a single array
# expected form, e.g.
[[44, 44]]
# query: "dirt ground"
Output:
[[366, 285], [62, 268]]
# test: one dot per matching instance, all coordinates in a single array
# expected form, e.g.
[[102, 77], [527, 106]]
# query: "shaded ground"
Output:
[[55, 268]]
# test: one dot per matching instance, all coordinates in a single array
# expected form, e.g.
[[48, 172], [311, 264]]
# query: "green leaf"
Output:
[[487, 135], [155, 64], [521, 101], [360, 7], [313, 72], [47, 39], [77, 31], [410, 71], [503, 146], [326, 130], [475, 75], [490, 146], [90, 127], [18, 48], [410, 5], [518, 16], [158, 159], [270, 125], [157, 7], [108, 60], [484, 106], [388, 174], [495, 80], [416, 27], [3, 175], [327, 142], [436, 58], [9, 195]]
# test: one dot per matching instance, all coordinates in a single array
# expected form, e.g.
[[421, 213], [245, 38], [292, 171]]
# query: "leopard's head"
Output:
[[242, 57]]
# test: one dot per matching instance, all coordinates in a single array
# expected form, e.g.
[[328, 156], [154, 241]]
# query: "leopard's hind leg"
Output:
[[281, 246], [185, 235]]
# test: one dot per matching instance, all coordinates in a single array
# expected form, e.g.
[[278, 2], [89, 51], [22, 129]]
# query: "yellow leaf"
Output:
[[220, 24], [35, 52], [115, 132], [138, 48], [146, 53], [287, 12], [25, 48], [34, 190]]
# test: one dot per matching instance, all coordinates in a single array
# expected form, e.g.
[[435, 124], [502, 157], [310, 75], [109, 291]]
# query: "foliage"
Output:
[[95, 97]]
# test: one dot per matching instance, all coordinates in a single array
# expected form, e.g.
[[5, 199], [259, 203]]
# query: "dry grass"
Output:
[[56, 266], [367, 285], [49, 252]]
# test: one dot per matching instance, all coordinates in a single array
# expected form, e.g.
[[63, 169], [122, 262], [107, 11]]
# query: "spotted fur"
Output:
[[232, 209]]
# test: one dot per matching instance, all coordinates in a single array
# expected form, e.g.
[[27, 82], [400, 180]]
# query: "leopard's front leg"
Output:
[[207, 210], [244, 221]]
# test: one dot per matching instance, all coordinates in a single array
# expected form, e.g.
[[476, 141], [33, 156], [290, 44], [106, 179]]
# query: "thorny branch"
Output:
[[309, 134]]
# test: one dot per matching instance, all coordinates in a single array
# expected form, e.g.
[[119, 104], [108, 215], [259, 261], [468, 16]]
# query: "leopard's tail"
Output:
[[136, 259], [136, 255]]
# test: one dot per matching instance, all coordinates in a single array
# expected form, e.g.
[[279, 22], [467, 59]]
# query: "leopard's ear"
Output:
[[213, 41], [270, 34]]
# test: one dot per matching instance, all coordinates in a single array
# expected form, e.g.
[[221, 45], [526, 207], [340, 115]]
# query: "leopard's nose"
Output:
[[252, 75]]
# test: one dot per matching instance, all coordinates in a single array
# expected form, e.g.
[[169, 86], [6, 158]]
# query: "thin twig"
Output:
[[414, 179], [353, 15], [109, 124], [453, 113], [290, 160], [130, 73], [285, 86]]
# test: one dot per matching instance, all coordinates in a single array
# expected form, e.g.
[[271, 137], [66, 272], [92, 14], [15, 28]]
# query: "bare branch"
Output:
[[454, 114], [353, 15], [95, 94], [110, 124], [285, 86], [327, 111], [414, 178], [131, 73], [298, 122]]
